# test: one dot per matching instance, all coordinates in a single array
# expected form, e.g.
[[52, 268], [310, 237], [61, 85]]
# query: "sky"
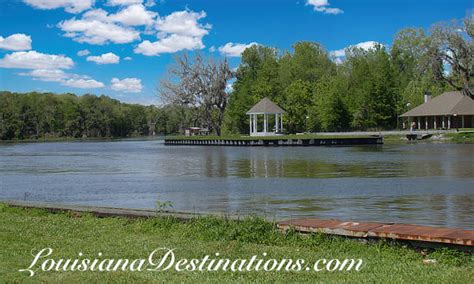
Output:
[[122, 48]]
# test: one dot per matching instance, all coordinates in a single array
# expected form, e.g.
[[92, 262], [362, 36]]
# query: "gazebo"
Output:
[[266, 107]]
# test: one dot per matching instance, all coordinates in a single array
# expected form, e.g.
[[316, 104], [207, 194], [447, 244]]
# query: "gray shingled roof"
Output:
[[265, 106], [448, 103]]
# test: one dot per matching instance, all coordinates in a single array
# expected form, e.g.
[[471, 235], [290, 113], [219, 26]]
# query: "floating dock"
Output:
[[333, 141], [424, 236]]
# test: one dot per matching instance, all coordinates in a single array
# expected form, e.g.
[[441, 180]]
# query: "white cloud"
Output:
[[16, 42], [98, 27], [65, 79], [323, 6], [83, 83], [176, 32], [234, 49], [127, 85], [169, 44], [341, 53], [48, 75], [184, 23], [134, 15], [35, 60], [123, 2], [93, 29], [127, 58], [106, 58], [83, 52], [71, 6], [150, 3]]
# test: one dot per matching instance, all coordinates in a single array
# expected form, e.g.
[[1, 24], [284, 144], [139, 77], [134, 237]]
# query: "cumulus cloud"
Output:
[[16, 42], [134, 15], [70, 6], [48, 68], [169, 44], [178, 31], [106, 58], [127, 85], [66, 79], [234, 49], [323, 7], [35, 60], [127, 58], [83, 52], [47, 75], [83, 83], [123, 2], [96, 27]]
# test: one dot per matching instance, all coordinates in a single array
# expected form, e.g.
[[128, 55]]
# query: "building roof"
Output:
[[449, 103], [265, 106]]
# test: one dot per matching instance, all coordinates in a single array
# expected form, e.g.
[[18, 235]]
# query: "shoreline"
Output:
[[452, 136], [416, 235]]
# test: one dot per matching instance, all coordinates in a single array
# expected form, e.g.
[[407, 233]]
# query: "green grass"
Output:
[[23, 230], [462, 136]]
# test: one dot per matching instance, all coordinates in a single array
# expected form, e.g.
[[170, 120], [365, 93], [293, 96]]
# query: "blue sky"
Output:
[[128, 44]]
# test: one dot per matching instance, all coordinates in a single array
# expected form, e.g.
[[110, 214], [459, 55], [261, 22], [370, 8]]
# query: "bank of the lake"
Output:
[[69, 234]]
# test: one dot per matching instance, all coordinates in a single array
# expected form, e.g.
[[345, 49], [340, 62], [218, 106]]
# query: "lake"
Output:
[[418, 183]]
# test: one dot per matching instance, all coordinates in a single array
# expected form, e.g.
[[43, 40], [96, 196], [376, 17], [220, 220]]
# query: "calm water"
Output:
[[424, 183]]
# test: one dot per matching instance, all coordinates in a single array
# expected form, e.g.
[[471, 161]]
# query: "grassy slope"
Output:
[[24, 230]]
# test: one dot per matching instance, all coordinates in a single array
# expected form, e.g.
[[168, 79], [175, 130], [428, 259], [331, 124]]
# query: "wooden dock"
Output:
[[333, 141], [424, 236]]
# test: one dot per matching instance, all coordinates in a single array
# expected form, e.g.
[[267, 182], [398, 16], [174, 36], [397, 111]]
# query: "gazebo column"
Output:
[[255, 129], [426, 122], [281, 122], [449, 122], [434, 122], [419, 123], [264, 123], [251, 124], [443, 122], [276, 122]]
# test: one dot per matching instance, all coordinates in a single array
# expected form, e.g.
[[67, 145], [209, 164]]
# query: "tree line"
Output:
[[46, 115], [368, 89]]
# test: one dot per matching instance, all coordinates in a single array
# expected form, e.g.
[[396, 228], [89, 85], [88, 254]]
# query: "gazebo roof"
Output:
[[265, 106], [449, 103]]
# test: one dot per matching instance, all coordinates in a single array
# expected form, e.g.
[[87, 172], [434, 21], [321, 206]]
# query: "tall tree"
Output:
[[199, 82], [451, 50]]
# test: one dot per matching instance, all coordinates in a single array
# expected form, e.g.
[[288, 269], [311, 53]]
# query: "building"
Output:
[[267, 108], [446, 111]]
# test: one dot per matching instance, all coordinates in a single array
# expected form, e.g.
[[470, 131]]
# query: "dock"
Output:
[[421, 236], [275, 141]]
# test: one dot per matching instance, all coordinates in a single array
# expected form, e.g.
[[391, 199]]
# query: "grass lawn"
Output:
[[23, 230], [462, 136]]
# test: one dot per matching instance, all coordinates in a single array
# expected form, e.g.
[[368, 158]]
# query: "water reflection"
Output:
[[429, 184]]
